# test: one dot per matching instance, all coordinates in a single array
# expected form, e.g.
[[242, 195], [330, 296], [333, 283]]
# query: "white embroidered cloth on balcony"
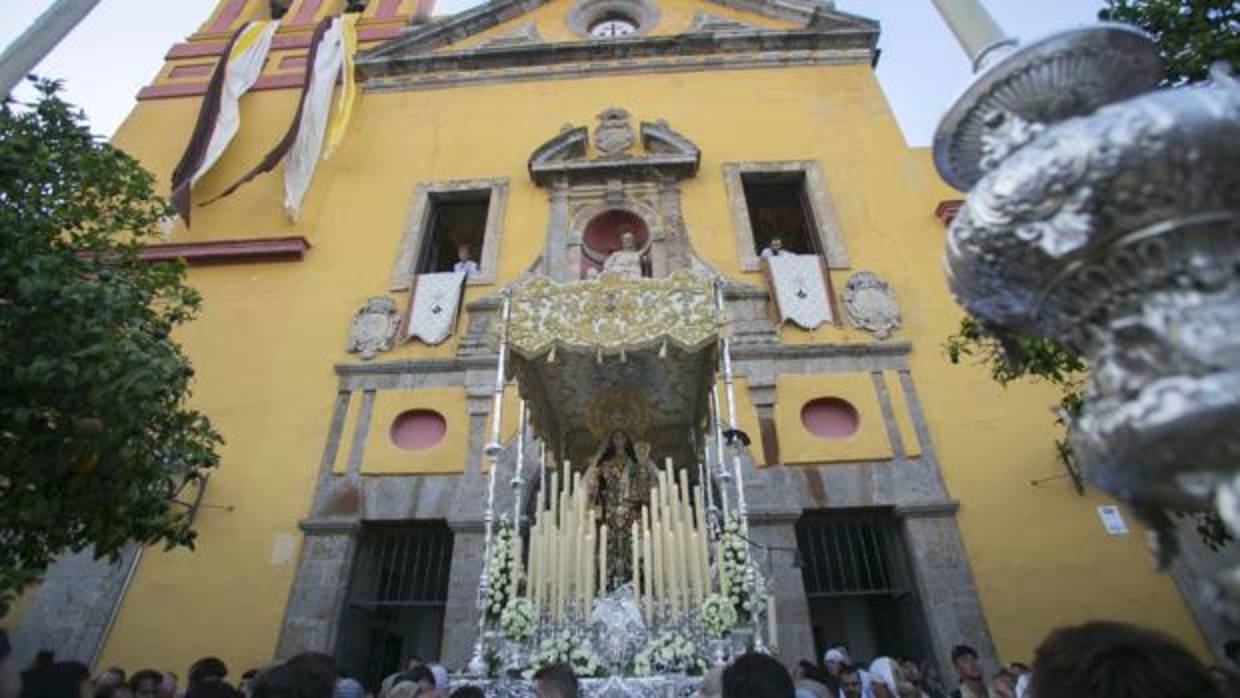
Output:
[[435, 305], [799, 287]]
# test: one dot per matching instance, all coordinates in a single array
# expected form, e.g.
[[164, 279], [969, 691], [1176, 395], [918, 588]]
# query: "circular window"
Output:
[[830, 417], [415, 430], [608, 19], [613, 25]]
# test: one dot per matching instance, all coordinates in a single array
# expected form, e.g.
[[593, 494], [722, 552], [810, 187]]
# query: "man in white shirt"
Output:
[[774, 248], [464, 260]]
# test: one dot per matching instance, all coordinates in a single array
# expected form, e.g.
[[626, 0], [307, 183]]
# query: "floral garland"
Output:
[[669, 652], [566, 647], [718, 615], [501, 565], [519, 620], [738, 581]]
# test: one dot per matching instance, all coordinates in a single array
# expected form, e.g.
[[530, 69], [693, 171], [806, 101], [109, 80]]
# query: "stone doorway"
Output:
[[859, 584], [397, 598]]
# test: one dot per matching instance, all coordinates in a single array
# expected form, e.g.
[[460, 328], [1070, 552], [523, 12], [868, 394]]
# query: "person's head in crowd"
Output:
[[755, 675], [414, 662], [912, 671], [850, 682], [468, 692], [887, 680], [10, 680], [1231, 650], [61, 680], [168, 688], [441, 680], [777, 244], [207, 670], [968, 666], [145, 683], [348, 687], [317, 672], [418, 682], [1228, 681], [247, 680], [1111, 660], [712, 683], [556, 681], [112, 676], [834, 660], [1019, 668]]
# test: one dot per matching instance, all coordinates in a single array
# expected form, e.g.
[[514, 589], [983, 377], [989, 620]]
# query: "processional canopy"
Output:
[[615, 352]]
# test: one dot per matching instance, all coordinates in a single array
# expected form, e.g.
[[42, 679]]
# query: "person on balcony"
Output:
[[774, 248]]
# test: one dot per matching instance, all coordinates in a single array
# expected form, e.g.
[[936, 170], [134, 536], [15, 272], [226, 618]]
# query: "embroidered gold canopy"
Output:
[[613, 313], [615, 352]]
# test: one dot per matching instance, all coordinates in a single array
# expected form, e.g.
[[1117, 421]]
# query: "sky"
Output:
[[120, 47]]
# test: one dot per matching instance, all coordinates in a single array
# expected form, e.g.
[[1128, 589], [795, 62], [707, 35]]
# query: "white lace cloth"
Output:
[[436, 302], [799, 289]]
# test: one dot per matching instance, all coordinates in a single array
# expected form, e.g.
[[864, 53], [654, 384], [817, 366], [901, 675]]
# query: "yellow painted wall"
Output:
[[270, 334], [383, 457], [798, 445], [675, 16]]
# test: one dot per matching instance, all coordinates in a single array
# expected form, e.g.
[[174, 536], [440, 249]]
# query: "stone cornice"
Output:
[[820, 351], [382, 70]]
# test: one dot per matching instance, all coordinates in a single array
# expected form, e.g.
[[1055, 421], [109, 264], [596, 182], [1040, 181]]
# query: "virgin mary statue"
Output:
[[618, 483]]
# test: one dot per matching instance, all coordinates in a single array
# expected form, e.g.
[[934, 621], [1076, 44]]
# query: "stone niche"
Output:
[[622, 176]]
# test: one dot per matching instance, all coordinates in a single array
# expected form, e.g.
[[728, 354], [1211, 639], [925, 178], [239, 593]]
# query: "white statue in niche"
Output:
[[628, 259]]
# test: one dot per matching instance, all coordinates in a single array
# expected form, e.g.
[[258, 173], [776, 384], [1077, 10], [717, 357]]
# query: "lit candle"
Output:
[[647, 572], [531, 582]]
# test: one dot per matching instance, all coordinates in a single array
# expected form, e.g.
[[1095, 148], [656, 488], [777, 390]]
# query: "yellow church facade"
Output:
[[888, 490]]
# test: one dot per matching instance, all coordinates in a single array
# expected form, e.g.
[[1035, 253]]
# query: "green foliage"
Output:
[[95, 434], [1191, 34]]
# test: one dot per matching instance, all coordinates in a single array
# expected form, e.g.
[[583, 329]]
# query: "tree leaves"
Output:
[[95, 431], [1190, 34]]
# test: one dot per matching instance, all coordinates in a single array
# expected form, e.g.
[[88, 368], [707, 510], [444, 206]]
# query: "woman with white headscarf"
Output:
[[887, 680]]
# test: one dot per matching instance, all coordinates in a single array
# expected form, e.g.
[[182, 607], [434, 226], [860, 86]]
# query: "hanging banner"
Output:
[[219, 118], [434, 306], [799, 288], [332, 48]]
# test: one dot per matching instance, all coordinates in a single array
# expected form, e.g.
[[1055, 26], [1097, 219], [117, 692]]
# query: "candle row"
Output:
[[566, 566], [670, 548]]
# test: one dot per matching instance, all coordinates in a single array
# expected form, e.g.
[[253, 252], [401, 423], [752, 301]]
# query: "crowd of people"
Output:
[[1094, 660]]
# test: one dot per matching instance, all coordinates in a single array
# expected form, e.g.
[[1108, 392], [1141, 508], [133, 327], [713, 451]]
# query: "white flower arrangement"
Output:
[[501, 565], [519, 620], [738, 581], [669, 652], [718, 615], [566, 647]]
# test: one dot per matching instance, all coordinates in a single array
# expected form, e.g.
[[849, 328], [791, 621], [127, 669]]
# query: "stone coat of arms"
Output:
[[374, 327], [871, 304], [614, 134]]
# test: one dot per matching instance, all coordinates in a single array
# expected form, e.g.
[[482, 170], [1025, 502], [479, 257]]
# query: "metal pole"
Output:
[[33, 45], [718, 464], [741, 510], [517, 482], [493, 449], [972, 25]]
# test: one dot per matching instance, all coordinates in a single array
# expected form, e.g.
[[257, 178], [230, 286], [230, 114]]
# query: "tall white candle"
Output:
[[647, 572]]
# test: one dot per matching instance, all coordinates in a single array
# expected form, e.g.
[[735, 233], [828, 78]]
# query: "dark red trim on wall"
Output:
[[223, 22], [946, 210], [289, 249], [280, 42], [269, 82], [305, 13]]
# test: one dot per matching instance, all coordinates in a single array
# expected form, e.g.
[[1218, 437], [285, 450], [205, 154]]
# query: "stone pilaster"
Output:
[[952, 609], [312, 618]]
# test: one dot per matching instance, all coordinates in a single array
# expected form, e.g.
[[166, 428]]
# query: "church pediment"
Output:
[[617, 156], [514, 41]]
